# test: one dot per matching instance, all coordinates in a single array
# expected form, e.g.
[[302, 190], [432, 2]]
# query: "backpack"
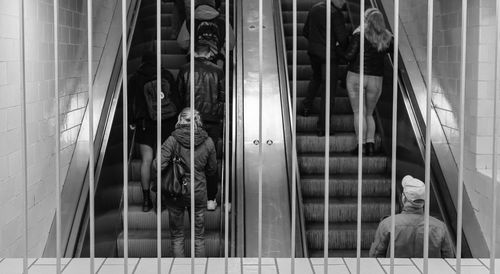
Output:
[[168, 107], [210, 31]]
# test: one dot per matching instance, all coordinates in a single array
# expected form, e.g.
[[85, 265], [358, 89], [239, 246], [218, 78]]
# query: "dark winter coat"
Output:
[[205, 162], [374, 59], [209, 89], [315, 31]]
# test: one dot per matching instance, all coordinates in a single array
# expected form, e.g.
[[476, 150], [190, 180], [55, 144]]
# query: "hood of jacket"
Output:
[[183, 136], [205, 12]]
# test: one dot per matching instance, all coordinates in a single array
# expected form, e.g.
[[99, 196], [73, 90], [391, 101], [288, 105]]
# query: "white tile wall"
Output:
[[40, 109], [479, 88]]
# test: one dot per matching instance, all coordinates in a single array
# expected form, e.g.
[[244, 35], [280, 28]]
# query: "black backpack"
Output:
[[168, 107], [211, 32]]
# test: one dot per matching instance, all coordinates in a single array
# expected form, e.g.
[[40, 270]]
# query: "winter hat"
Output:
[[414, 190]]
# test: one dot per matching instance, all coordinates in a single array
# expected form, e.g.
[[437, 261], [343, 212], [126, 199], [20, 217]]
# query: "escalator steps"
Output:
[[341, 163], [139, 220], [338, 123], [343, 210], [143, 244], [340, 236], [346, 186], [339, 142]]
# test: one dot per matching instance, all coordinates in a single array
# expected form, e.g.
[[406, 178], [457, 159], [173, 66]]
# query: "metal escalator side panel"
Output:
[[276, 211]]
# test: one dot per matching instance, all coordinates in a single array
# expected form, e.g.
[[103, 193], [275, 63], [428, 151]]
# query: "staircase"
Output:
[[343, 166], [143, 225]]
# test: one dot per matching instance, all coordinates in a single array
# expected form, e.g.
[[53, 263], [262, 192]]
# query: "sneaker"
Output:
[[211, 204]]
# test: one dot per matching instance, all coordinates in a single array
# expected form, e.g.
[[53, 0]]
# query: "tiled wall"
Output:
[[72, 95], [480, 81]]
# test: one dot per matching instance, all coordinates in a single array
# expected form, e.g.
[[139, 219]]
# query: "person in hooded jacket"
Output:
[[209, 26], [140, 120], [205, 167]]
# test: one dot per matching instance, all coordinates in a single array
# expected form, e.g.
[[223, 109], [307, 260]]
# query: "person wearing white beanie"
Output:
[[409, 228]]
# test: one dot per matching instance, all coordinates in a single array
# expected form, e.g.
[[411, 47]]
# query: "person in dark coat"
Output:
[[315, 32], [209, 98], [409, 228], [205, 168], [378, 42], [140, 120]]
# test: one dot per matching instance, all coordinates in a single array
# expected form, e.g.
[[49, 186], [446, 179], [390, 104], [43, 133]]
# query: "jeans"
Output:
[[372, 89], [317, 87], [177, 229]]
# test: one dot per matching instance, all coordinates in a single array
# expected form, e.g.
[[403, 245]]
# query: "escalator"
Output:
[[343, 165], [376, 169], [109, 181]]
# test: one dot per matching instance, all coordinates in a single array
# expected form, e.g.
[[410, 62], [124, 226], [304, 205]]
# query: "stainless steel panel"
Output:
[[276, 214]]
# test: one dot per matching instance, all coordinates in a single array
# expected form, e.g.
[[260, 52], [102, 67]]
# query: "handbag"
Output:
[[175, 182]]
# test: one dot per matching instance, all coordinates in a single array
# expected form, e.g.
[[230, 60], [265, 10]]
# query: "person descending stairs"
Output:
[[343, 165], [143, 225]]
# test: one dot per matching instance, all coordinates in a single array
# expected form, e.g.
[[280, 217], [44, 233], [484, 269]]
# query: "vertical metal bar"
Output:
[[158, 133], [294, 135], [461, 128], [261, 59], [430, 21], [226, 150], [191, 99], [494, 179], [360, 132], [125, 135], [58, 139], [327, 132], [394, 130], [91, 136], [24, 146]]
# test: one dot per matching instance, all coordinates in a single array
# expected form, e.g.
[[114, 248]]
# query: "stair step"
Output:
[[303, 84], [302, 58], [344, 210], [149, 21], [341, 163], [167, 47], [338, 123], [168, 61], [149, 7], [346, 185], [301, 16], [286, 5], [339, 142], [301, 42], [139, 220], [167, 33], [340, 236], [342, 106], [143, 244]]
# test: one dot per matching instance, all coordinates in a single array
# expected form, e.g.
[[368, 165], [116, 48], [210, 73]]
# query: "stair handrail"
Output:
[[288, 114]]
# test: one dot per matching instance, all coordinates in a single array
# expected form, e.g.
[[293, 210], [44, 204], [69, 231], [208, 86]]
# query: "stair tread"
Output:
[[332, 226], [345, 177], [152, 234], [347, 200]]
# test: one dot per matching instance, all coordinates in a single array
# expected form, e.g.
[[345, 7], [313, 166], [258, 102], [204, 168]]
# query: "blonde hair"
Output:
[[185, 118], [376, 32]]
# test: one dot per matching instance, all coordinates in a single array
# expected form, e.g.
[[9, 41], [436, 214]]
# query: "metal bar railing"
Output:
[[158, 134], [260, 165], [125, 134], [226, 163], [91, 134], [24, 145], [192, 105], [58, 138], [394, 131], [327, 134], [360, 132], [461, 127], [430, 20], [294, 135]]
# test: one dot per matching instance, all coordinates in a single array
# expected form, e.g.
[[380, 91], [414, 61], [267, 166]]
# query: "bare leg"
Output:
[[146, 160]]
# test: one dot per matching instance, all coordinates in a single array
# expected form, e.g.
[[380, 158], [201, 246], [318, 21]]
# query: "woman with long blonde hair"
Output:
[[378, 42]]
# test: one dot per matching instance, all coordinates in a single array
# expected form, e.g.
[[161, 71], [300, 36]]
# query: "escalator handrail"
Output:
[[288, 117]]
